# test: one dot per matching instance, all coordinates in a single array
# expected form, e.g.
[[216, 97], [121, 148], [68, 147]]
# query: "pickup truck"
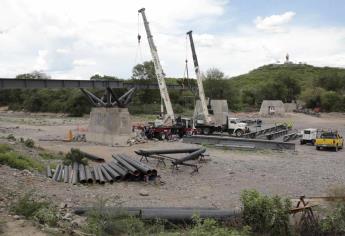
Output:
[[329, 139]]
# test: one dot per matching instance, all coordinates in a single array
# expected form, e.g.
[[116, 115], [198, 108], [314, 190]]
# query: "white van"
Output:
[[308, 136]]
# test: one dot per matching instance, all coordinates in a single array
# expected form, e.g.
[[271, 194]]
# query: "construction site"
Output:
[[171, 167]]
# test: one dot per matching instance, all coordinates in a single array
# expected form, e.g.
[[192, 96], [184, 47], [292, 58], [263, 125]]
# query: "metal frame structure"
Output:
[[11, 83]]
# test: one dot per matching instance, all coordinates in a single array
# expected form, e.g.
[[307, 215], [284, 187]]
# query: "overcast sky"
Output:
[[75, 39]]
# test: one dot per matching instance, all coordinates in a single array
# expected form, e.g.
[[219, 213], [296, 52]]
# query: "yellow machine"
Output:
[[329, 139]]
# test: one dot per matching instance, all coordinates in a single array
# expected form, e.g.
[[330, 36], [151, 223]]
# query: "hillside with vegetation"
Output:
[[316, 87]]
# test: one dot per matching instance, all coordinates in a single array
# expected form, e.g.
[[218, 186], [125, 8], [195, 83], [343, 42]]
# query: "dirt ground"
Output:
[[219, 182]]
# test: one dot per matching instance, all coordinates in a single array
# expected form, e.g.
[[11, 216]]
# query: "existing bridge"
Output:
[[8, 83]]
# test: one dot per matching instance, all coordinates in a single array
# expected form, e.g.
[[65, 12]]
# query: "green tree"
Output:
[[214, 74], [104, 77], [145, 71], [33, 75]]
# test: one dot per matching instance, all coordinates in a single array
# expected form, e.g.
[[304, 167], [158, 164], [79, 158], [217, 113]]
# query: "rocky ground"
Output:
[[218, 184]]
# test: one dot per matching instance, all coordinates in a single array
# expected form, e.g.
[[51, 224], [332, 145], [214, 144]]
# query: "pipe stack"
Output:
[[122, 167]]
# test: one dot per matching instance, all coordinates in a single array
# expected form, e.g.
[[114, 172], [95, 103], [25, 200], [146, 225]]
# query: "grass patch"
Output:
[[51, 156], [18, 161], [4, 148], [2, 226], [27, 206], [42, 212]]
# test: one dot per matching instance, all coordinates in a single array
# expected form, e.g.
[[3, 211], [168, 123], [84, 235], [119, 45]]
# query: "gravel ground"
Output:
[[218, 184]]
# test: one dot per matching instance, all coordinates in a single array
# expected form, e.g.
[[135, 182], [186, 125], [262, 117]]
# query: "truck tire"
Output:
[[162, 136], [206, 131], [317, 148], [239, 133]]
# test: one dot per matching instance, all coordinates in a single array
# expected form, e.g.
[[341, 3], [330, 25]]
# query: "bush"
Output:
[[74, 156], [27, 206], [11, 137], [4, 148], [29, 143], [46, 215], [265, 214], [211, 227], [19, 161], [334, 222]]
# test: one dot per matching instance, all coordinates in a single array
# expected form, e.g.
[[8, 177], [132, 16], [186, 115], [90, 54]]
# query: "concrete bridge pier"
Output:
[[109, 125]]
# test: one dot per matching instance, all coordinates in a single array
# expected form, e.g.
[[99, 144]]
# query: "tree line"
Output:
[[316, 87]]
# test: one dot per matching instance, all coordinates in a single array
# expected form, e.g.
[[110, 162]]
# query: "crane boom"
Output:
[[199, 80], [158, 69]]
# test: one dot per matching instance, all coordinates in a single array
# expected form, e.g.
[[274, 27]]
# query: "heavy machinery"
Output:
[[207, 125], [168, 125]]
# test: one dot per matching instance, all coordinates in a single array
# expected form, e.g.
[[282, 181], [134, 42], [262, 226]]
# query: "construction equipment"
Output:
[[168, 125], [207, 126], [160, 155], [169, 117]]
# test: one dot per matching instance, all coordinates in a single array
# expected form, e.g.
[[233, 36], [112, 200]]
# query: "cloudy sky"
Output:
[[75, 39]]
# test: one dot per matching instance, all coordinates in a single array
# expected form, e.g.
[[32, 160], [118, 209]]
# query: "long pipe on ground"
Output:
[[166, 151], [49, 171], [92, 157], [135, 211], [95, 171], [100, 174], [183, 214], [193, 155], [70, 172], [75, 173], [66, 174], [111, 172], [57, 171], [128, 166], [143, 169], [119, 169], [82, 175], [153, 171], [106, 174], [187, 214], [59, 177], [88, 174]]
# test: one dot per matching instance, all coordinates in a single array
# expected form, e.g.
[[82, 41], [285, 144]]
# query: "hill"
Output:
[[322, 87]]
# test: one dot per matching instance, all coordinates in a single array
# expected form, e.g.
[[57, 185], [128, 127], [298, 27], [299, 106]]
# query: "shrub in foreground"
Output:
[[264, 214]]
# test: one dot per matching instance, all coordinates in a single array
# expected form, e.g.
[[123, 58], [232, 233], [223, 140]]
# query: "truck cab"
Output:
[[308, 136], [329, 139], [236, 127]]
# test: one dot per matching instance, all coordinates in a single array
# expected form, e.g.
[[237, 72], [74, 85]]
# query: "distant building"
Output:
[[272, 107]]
